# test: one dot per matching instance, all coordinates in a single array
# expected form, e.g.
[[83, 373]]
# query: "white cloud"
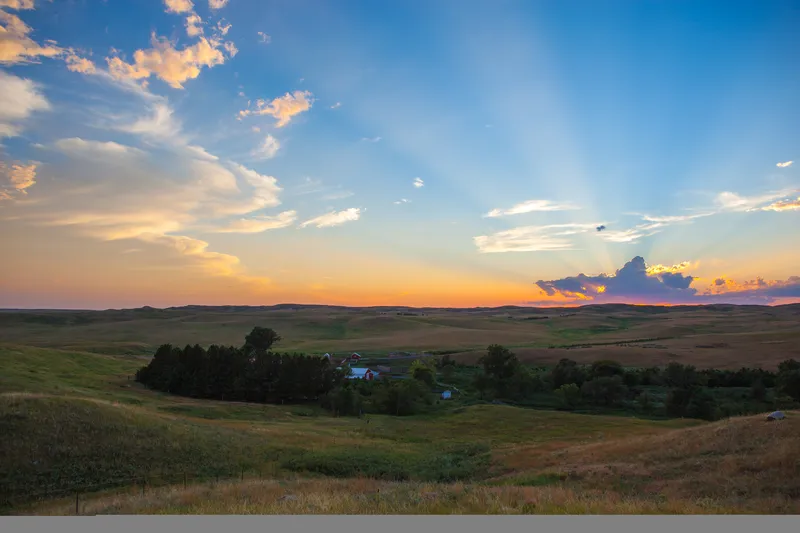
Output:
[[259, 224], [114, 152], [159, 125], [334, 218], [17, 4], [200, 153], [402, 201], [217, 4], [632, 235], [729, 201], [371, 139], [21, 97], [264, 38], [164, 61], [674, 218], [179, 6], [418, 182], [336, 105], [530, 206], [268, 149], [16, 46], [532, 238], [784, 164], [283, 108], [194, 25]]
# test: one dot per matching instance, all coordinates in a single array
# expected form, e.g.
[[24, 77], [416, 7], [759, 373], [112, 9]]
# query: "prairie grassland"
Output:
[[743, 465], [366, 496], [72, 420], [720, 336]]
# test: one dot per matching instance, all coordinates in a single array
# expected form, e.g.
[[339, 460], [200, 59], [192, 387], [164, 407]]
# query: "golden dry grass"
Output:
[[744, 462], [744, 465], [361, 496]]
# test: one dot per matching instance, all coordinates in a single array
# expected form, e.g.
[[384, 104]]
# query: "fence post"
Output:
[[184, 480], [144, 484], [242, 474], [77, 502]]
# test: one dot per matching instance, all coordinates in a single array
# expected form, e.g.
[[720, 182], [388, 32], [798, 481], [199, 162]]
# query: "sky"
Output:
[[443, 154]]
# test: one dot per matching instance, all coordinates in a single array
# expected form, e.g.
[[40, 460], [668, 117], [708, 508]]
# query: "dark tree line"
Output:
[[251, 373], [609, 384]]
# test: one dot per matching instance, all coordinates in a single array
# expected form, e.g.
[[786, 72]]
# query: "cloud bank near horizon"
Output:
[[638, 283]]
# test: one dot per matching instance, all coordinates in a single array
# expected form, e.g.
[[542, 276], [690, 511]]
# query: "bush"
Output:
[[569, 395], [604, 390]]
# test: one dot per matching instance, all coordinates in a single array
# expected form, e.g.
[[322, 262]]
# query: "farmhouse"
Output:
[[363, 373]]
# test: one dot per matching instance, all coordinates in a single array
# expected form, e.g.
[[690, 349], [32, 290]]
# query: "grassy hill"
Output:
[[72, 421], [720, 336], [743, 465]]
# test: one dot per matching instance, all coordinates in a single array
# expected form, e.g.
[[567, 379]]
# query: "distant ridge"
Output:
[[402, 308]]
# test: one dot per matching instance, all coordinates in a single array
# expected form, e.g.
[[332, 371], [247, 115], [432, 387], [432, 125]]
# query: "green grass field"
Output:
[[73, 420]]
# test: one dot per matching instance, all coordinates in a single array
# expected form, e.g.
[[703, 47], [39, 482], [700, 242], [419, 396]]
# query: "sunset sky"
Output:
[[417, 152]]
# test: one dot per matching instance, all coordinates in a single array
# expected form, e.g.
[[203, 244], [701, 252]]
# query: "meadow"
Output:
[[75, 423]]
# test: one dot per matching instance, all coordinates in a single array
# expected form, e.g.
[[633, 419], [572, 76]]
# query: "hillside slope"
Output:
[[742, 465]]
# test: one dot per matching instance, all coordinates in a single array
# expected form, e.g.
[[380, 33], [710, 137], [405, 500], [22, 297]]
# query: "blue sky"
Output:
[[672, 124]]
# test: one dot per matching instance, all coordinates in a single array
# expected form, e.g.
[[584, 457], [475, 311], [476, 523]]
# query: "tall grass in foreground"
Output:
[[366, 496]]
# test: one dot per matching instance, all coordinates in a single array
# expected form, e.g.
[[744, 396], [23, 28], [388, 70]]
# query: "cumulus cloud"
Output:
[[785, 164], [783, 205], [402, 201], [672, 269], [636, 282], [259, 224], [194, 25], [283, 108], [21, 98], [75, 63], [532, 238], [17, 4], [418, 182], [179, 6], [217, 4], [530, 206], [16, 45], [264, 38], [336, 105], [334, 218], [164, 61], [230, 48], [16, 178], [632, 281], [268, 148]]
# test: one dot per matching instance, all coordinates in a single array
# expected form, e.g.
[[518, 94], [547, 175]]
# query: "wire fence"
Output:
[[11, 498]]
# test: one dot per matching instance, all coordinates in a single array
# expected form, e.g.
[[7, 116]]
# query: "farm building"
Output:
[[363, 373]]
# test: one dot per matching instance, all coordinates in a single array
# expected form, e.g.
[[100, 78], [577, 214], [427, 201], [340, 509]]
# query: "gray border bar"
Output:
[[392, 524]]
